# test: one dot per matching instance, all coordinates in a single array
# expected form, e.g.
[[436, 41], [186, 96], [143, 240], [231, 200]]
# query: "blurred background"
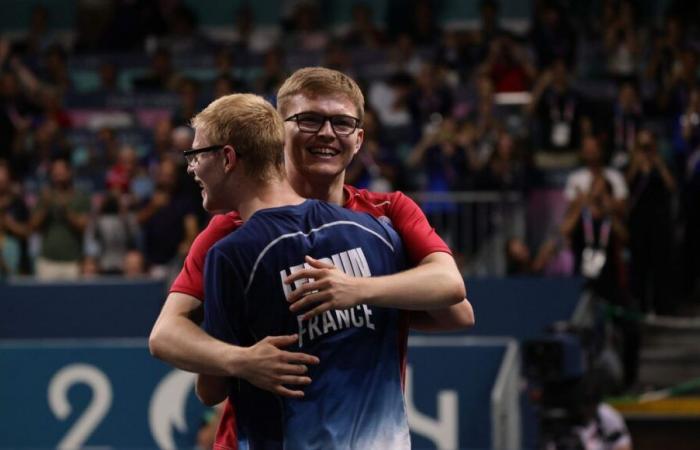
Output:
[[555, 146]]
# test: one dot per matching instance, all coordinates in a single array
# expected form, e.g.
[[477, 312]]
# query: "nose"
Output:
[[190, 170], [326, 130]]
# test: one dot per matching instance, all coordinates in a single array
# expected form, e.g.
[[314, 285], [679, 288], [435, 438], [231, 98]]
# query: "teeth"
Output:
[[323, 151]]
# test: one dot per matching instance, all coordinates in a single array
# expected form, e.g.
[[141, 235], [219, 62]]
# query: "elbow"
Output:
[[458, 291], [155, 345], [466, 318]]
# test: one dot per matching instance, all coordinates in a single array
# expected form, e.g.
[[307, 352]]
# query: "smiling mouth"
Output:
[[323, 152]]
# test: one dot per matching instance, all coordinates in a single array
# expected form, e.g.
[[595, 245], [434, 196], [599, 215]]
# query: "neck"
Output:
[[266, 195], [332, 193]]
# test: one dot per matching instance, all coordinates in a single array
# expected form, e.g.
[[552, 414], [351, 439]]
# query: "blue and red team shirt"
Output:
[[419, 239], [355, 399]]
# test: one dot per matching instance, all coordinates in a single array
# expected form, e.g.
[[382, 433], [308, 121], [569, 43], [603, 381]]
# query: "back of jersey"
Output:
[[355, 399]]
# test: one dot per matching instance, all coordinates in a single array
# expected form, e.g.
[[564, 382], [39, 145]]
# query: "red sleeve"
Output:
[[190, 279], [419, 238]]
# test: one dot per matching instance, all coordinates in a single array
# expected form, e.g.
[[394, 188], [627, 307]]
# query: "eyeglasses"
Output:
[[191, 155], [309, 122]]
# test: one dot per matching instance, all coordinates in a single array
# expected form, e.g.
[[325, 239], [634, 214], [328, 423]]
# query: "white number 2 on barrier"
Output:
[[95, 411]]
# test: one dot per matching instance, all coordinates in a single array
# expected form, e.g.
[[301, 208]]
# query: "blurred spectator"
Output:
[[161, 75], [120, 175], [627, 116], [519, 261], [507, 66], [505, 169], [375, 167], [10, 253], [14, 218], [621, 41], [684, 79], [363, 31], [687, 148], [489, 27], [39, 36], [188, 91], [454, 54], [109, 78], [552, 35], [601, 426], [226, 68], [416, 18], [559, 110], [15, 111], [580, 182], [431, 97], [650, 225], [89, 268], [305, 30], [183, 35], [273, 74], [666, 50], [60, 217], [168, 220], [134, 264], [441, 158], [247, 36], [337, 58], [111, 234], [54, 71], [403, 56], [390, 101]]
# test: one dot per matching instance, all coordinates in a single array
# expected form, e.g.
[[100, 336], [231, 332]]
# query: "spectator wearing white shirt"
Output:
[[579, 181]]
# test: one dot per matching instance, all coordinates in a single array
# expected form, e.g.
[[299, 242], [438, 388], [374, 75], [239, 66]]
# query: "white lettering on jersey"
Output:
[[357, 317], [352, 262]]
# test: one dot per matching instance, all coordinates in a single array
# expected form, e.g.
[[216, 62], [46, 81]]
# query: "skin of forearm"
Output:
[[433, 285], [178, 340], [455, 317]]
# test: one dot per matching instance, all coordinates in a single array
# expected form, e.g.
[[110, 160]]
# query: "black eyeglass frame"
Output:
[[191, 153], [295, 118]]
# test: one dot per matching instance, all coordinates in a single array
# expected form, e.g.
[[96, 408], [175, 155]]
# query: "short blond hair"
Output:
[[313, 81], [252, 126]]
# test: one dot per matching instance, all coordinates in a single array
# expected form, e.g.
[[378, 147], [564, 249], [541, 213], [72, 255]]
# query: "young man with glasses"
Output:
[[356, 396], [315, 163]]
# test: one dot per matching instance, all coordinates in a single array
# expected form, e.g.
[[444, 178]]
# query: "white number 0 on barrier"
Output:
[[100, 403]]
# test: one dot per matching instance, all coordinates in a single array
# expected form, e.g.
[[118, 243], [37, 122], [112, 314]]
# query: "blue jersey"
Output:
[[355, 400]]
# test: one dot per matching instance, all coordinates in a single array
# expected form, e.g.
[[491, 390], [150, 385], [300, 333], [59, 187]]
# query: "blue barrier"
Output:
[[110, 308], [76, 393]]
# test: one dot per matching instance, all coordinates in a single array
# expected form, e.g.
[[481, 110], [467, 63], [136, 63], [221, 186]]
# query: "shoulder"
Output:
[[220, 226], [373, 202]]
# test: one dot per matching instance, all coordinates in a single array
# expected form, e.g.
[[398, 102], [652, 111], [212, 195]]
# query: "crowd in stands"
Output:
[[601, 104]]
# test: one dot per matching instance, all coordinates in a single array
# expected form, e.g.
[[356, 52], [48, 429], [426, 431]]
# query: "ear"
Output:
[[230, 158], [359, 141]]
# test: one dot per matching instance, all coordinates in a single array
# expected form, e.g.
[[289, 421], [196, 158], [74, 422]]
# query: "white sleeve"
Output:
[[612, 423], [619, 185]]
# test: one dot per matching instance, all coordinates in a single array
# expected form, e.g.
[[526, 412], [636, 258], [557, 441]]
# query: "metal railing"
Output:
[[476, 225]]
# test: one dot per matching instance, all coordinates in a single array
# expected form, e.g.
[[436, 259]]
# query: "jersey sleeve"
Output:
[[223, 295], [419, 238], [189, 280]]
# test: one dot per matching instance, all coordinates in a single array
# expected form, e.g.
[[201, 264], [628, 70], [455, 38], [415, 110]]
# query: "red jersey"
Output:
[[419, 240]]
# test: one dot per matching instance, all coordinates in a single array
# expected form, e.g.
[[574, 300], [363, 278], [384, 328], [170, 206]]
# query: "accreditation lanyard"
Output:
[[593, 257]]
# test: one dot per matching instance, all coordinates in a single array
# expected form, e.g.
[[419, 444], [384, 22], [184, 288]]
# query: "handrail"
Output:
[[505, 431], [467, 196]]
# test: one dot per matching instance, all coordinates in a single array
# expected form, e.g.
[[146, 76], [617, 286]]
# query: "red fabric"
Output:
[[190, 279], [226, 432], [419, 240]]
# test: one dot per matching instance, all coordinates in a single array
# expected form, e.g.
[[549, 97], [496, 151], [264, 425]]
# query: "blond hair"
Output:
[[313, 81], [252, 126]]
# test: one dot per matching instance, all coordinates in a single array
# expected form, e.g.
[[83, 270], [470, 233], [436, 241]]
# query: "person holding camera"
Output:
[[650, 224]]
